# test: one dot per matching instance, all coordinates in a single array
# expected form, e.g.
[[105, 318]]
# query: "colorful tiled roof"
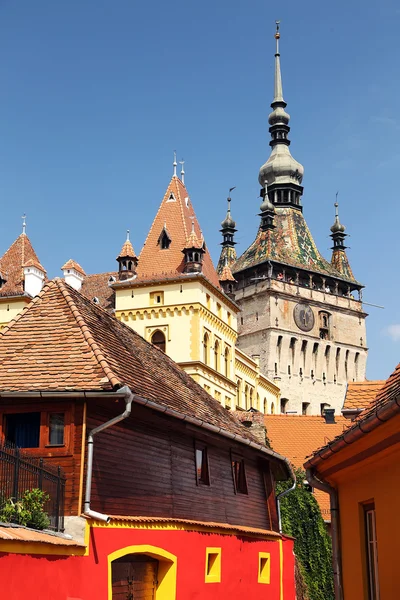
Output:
[[97, 286], [72, 264], [63, 342], [297, 436], [360, 394], [12, 265], [226, 274], [176, 214], [341, 263], [227, 256], [290, 243]]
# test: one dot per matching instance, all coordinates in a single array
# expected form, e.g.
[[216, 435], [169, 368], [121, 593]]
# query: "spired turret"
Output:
[[228, 230], [127, 261], [339, 257], [281, 173]]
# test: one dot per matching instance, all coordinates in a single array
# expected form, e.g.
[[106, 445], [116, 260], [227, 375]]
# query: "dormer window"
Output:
[[171, 198], [164, 240]]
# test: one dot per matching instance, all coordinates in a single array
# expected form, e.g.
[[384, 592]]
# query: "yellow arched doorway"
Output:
[[160, 564]]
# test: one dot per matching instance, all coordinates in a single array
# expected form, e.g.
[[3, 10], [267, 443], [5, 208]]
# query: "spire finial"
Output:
[[174, 164], [278, 92], [182, 163], [23, 223], [127, 235], [229, 199], [277, 36]]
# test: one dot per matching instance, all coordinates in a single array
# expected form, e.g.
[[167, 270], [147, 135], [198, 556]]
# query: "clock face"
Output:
[[304, 317]]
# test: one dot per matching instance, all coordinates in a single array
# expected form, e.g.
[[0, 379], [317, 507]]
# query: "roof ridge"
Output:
[[63, 287], [27, 307], [181, 209]]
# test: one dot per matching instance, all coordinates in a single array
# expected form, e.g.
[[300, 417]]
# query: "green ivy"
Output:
[[302, 519], [28, 511]]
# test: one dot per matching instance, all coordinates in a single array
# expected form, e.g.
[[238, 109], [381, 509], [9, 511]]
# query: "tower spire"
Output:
[[278, 93], [23, 223], [174, 164], [182, 163], [338, 234], [228, 230]]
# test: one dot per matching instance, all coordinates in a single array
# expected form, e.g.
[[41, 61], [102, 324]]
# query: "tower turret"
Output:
[[228, 230], [127, 260], [194, 250], [282, 173], [339, 256]]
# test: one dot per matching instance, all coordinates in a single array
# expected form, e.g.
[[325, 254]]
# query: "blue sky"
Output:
[[96, 94]]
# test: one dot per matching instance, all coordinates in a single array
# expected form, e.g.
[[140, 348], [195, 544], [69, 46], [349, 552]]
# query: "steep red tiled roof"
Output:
[[127, 250], [62, 341], [176, 214], [12, 263], [72, 264], [96, 286], [226, 274], [297, 436], [360, 394], [34, 263]]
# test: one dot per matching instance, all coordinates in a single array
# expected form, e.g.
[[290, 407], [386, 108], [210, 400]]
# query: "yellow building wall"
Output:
[[376, 478], [196, 322], [9, 309]]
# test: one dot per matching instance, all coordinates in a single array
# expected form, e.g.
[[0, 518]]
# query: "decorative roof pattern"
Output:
[[97, 286], [176, 214], [290, 243], [296, 436], [340, 262], [226, 274], [72, 264], [228, 256], [63, 342], [360, 394], [12, 265]]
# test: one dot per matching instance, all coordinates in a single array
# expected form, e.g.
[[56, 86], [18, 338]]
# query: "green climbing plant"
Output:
[[302, 519], [28, 510]]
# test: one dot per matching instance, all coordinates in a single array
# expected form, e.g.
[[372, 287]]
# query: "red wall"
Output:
[[48, 577]]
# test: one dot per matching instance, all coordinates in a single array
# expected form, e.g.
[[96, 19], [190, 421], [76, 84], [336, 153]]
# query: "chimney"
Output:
[[73, 274], [329, 414], [34, 276]]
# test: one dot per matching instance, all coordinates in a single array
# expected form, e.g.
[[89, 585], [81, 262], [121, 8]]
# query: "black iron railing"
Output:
[[20, 472]]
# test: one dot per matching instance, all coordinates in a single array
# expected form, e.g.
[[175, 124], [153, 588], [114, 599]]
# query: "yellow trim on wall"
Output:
[[82, 458], [167, 568], [44, 548], [213, 565], [280, 570], [264, 567]]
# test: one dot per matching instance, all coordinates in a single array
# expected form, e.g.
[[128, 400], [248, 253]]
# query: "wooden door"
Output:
[[134, 577]]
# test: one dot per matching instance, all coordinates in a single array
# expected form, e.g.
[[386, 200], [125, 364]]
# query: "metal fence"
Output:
[[20, 472]]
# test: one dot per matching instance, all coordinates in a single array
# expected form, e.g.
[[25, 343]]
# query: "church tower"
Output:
[[302, 314]]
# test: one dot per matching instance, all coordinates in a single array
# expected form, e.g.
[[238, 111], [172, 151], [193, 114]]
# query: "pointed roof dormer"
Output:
[[339, 256], [127, 261], [12, 265], [194, 251], [227, 280], [161, 255]]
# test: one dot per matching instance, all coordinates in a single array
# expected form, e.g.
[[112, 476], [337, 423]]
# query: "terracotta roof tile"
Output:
[[226, 274], [72, 264], [360, 394], [23, 534], [62, 341], [297, 436], [97, 286], [34, 263], [127, 250], [12, 263], [176, 214]]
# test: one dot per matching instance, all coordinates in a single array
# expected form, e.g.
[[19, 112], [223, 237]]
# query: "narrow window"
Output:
[[239, 476], [226, 358], [356, 365], [246, 397], [208, 301], [202, 469], [251, 398], [337, 360], [23, 429], [213, 565], [272, 408], [292, 349], [315, 355], [288, 369], [264, 567], [304, 408], [346, 364], [371, 551], [276, 368], [158, 340], [303, 353], [206, 342], [265, 406], [219, 310], [284, 403], [216, 355], [238, 392], [56, 429]]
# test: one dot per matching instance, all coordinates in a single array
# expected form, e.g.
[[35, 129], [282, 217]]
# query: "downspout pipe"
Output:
[[285, 493], [324, 486], [126, 393]]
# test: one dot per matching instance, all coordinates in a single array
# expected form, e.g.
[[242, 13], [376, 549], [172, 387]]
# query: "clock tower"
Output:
[[300, 313]]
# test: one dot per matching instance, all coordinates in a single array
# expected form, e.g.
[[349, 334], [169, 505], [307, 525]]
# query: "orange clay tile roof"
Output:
[[176, 214], [226, 274], [96, 286], [360, 394], [22, 534], [34, 263], [11, 265], [297, 436], [127, 250], [63, 342], [72, 264]]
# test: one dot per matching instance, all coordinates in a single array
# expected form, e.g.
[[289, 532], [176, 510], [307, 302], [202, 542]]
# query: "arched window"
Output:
[[265, 406], [238, 391], [251, 398], [246, 397], [272, 408], [226, 357], [158, 339], [206, 345], [216, 355], [258, 402]]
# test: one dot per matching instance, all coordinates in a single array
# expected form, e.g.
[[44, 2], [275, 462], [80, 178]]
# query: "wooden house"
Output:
[[167, 494]]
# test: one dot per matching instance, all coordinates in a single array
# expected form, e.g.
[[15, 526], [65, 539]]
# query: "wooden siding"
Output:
[[145, 466]]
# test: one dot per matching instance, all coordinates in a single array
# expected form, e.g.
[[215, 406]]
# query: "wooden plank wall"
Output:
[[145, 466]]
